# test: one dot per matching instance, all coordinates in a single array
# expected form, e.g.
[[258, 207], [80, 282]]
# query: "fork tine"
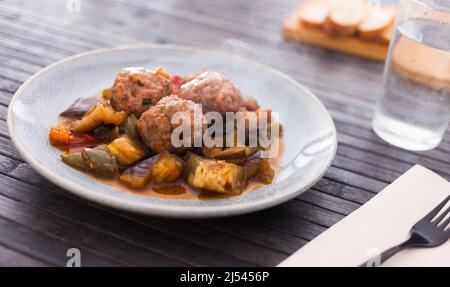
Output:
[[436, 210], [445, 224], [441, 217]]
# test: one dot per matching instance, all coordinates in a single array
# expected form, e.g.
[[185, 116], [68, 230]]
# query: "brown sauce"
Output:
[[182, 191]]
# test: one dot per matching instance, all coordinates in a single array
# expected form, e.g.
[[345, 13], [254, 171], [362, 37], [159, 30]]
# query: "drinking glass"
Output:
[[414, 110]]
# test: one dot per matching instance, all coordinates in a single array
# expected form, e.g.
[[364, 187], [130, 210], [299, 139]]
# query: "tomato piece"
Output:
[[59, 136], [177, 81], [78, 139]]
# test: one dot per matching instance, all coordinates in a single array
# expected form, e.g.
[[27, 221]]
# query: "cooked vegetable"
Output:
[[167, 168], [101, 161], [59, 136], [106, 133], [106, 93], [101, 113], [75, 160], [63, 137], [160, 72], [236, 155], [80, 107], [212, 175], [128, 127], [266, 174], [126, 150], [139, 175], [210, 151], [260, 170], [162, 168], [250, 104]]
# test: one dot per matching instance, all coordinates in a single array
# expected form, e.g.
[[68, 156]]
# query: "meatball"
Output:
[[155, 127], [137, 89], [214, 92]]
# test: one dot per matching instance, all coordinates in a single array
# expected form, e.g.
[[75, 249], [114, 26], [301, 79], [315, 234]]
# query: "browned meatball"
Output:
[[155, 127], [214, 92], [137, 89]]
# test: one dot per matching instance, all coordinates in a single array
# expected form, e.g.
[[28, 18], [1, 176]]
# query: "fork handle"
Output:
[[389, 253]]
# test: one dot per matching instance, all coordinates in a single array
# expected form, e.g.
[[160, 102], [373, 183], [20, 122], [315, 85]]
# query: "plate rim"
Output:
[[147, 208]]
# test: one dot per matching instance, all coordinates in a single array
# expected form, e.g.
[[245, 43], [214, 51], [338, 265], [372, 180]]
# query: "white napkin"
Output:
[[379, 224]]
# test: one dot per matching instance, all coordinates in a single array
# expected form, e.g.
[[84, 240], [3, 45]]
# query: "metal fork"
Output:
[[425, 233]]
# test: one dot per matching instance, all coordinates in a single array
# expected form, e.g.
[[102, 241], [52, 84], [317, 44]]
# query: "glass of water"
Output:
[[414, 110]]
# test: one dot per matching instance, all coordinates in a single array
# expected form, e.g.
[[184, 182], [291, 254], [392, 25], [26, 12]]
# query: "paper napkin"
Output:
[[379, 224]]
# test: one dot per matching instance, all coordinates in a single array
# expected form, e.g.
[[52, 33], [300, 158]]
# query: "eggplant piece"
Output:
[[161, 169], [106, 133], [212, 175], [75, 160], [260, 170], [128, 127], [236, 155], [80, 107], [209, 152], [167, 168], [102, 113], [101, 161], [126, 150], [139, 175]]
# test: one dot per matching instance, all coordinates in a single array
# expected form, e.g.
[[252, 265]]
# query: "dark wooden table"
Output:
[[39, 222]]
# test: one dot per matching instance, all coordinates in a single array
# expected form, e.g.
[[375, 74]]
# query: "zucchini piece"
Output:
[[101, 113], [75, 160], [167, 168], [126, 150], [128, 127], [100, 161], [212, 175], [106, 133]]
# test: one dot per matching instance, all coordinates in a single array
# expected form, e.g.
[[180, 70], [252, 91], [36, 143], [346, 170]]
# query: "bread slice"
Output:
[[314, 13], [387, 35], [346, 16], [377, 21]]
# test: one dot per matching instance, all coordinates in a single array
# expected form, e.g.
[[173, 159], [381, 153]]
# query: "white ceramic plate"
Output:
[[310, 135]]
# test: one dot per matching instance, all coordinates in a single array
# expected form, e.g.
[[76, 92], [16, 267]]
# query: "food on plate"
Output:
[[348, 18], [345, 16], [117, 141], [100, 161], [161, 168], [126, 149], [214, 91], [102, 113], [214, 175], [377, 22], [155, 125], [135, 90], [314, 14]]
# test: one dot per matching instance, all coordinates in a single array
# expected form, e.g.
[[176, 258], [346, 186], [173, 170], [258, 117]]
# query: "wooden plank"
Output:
[[12, 258], [81, 237], [43, 246], [287, 224], [51, 24], [110, 223], [329, 202], [20, 169]]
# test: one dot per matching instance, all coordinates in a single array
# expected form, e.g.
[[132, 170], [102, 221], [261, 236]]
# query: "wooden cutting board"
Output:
[[376, 50]]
